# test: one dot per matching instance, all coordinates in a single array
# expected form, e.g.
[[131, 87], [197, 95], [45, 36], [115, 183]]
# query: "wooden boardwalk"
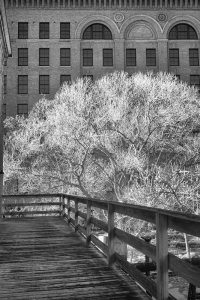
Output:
[[43, 258]]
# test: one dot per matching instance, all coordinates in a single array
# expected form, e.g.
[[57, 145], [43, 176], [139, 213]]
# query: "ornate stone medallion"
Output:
[[118, 17]]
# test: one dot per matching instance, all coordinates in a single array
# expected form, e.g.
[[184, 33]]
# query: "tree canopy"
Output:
[[133, 139]]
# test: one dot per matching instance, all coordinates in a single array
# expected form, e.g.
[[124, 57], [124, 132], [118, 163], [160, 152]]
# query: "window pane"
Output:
[[22, 30], [23, 57], [195, 80], [44, 84], [130, 57], [65, 78], [65, 56], [65, 30], [87, 57], [4, 111], [22, 109], [44, 30], [44, 56], [107, 57], [23, 84], [5, 84], [88, 77], [194, 57], [151, 57], [97, 32], [183, 32], [174, 57]]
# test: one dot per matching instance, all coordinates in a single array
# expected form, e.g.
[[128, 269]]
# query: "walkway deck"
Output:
[[42, 258]]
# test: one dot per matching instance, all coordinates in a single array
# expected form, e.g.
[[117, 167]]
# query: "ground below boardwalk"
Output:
[[42, 258]]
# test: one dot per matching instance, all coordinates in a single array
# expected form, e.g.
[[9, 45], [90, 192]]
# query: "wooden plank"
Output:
[[82, 215], [33, 212], [100, 224], [184, 269], [42, 258], [99, 244], [76, 214], [162, 256], [88, 223], [30, 204], [147, 283], [32, 196], [142, 213], [137, 243], [68, 210], [184, 225], [111, 246]]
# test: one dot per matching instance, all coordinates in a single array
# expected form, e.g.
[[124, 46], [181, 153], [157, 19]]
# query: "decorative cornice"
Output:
[[104, 4]]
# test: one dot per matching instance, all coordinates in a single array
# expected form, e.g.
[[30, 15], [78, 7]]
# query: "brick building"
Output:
[[58, 40]]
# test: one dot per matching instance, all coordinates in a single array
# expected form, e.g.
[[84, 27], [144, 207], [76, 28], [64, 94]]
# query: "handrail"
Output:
[[73, 207]]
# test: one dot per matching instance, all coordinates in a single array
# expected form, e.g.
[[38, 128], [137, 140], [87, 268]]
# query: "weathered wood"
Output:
[[82, 215], [68, 210], [184, 225], [99, 244], [147, 283], [81, 229], [88, 223], [100, 224], [30, 204], [139, 212], [162, 256], [32, 212], [137, 243], [111, 246], [42, 258], [185, 269], [76, 214]]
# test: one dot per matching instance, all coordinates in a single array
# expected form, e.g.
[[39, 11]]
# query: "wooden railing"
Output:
[[102, 4], [75, 209]]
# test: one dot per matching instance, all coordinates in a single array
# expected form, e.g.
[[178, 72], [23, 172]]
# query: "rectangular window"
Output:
[[65, 57], [23, 84], [22, 30], [64, 30], [22, 109], [174, 57], [151, 57], [5, 84], [87, 76], [108, 57], [195, 80], [87, 57], [22, 56], [44, 30], [194, 57], [130, 57], [44, 84], [65, 78], [44, 56], [4, 111]]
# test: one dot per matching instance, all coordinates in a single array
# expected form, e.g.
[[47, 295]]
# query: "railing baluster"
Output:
[[88, 223], [76, 215], [162, 256], [68, 210], [111, 246]]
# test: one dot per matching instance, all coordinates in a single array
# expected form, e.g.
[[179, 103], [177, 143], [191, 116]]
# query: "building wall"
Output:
[[136, 28]]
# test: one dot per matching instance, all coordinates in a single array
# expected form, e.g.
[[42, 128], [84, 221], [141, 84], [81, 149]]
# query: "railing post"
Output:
[[162, 256], [88, 223], [1, 193], [111, 246], [76, 215], [68, 210]]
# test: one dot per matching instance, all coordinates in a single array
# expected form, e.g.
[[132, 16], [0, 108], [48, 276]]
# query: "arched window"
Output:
[[183, 32], [97, 32]]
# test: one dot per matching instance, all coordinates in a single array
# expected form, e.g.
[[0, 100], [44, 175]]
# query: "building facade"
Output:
[[59, 40]]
